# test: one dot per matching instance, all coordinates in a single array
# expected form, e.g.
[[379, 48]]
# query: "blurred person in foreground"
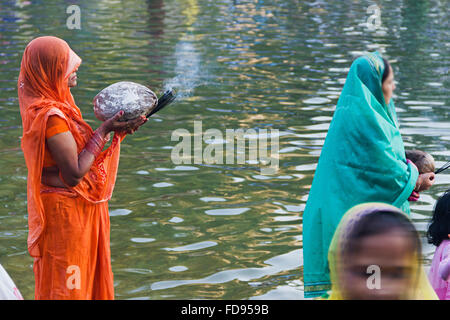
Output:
[[375, 254]]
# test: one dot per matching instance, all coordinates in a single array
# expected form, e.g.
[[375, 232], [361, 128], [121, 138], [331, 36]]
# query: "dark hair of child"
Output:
[[379, 223], [423, 161]]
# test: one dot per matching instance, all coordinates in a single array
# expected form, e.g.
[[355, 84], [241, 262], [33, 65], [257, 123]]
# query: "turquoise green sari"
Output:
[[362, 160]]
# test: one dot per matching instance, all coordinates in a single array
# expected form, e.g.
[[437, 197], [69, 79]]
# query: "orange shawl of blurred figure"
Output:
[[68, 227]]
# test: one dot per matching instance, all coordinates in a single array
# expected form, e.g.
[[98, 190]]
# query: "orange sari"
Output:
[[68, 227]]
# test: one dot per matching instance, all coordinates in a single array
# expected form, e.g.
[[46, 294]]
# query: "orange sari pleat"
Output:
[[75, 257]]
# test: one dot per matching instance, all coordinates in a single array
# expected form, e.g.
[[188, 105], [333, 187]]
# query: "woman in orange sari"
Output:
[[70, 177]]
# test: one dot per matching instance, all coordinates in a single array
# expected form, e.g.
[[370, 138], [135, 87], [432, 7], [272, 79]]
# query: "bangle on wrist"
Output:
[[95, 144]]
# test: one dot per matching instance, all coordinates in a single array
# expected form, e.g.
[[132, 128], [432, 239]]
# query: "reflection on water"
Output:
[[222, 231], [276, 265]]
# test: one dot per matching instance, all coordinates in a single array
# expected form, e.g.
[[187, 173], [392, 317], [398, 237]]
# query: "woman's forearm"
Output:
[[98, 140], [87, 157], [92, 150], [73, 166]]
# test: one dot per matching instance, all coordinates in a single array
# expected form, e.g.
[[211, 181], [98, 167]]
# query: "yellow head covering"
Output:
[[422, 289]]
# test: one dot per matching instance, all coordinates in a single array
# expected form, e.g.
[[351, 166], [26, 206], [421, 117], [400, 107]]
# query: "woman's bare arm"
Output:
[[74, 166]]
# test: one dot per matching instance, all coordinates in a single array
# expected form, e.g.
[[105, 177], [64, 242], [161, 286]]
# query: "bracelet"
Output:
[[95, 144]]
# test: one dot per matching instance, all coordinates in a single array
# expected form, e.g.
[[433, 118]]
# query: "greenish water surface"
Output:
[[221, 231]]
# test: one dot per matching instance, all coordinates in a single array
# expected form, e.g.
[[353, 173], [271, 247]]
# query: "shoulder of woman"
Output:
[[56, 111]]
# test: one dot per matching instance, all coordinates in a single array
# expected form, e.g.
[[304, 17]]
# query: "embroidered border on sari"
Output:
[[49, 189], [316, 289]]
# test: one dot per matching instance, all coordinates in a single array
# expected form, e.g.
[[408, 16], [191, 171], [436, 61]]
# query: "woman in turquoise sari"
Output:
[[362, 160]]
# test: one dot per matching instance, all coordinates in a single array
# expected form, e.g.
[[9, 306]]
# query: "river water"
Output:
[[221, 231]]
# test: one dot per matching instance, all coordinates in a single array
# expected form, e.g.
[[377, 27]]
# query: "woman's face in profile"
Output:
[[72, 81], [388, 86]]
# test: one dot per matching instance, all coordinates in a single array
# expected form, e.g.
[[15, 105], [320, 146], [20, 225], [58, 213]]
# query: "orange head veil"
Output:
[[43, 91]]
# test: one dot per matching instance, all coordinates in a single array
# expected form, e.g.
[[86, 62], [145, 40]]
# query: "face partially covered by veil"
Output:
[[46, 66], [375, 254]]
